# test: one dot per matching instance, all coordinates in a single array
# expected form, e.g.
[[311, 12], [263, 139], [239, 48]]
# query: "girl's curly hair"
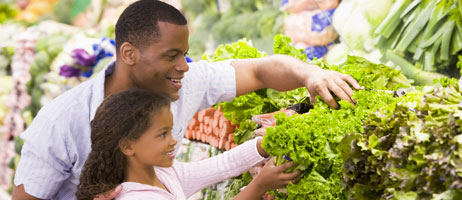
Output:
[[125, 115]]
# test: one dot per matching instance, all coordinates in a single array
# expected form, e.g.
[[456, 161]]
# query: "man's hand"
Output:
[[111, 194], [323, 82]]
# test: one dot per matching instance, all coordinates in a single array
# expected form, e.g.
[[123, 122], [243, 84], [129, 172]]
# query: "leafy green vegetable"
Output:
[[409, 149]]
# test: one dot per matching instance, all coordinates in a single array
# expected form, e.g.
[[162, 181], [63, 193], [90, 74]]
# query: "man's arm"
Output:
[[20, 194], [284, 73]]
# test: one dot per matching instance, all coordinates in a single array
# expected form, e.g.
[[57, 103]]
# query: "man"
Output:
[[151, 42]]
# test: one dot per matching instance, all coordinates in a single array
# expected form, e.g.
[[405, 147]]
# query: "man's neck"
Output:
[[116, 82]]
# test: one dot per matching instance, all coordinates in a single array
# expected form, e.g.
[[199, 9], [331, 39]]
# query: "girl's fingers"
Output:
[[291, 176], [285, 166]]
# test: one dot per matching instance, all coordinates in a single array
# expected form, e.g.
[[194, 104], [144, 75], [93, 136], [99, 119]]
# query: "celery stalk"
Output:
[[446, 40], [408, 19], [411, 6], [435, 36], [433, 24], [415, 27], [456, 44], [392, 20], [420, 77]]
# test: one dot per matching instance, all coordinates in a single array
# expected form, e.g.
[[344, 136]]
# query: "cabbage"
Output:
[[355, 21], [375, 11]]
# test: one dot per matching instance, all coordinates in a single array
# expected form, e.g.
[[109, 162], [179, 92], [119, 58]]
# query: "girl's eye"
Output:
[[163, 134]]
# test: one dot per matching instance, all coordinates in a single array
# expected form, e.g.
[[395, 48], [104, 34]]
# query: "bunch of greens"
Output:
[[426, 32], [311, 140], [410, 149]]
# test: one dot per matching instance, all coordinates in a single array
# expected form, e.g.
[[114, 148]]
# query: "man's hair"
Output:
[[122, 116], [138, 23]]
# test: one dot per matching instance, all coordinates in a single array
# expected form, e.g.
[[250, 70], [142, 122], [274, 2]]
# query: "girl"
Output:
[[132, 145]]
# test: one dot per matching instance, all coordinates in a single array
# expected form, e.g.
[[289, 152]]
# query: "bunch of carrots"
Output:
[[210, 126]]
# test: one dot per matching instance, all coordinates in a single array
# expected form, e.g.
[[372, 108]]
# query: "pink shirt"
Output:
[[185, 179]]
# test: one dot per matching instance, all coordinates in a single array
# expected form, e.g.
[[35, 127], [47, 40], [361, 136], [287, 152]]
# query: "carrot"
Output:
[[231, 137], [193, 123], [222, 121], [216, 141], [208, 139], [215, 131], [203, 137], [219, 109], [198, 135], [228, 127], [233, 145], [201, 127], [221, 143], [207, 120], [227, 145], [215, 121], [206, 129], [209, 111], [200, 116]]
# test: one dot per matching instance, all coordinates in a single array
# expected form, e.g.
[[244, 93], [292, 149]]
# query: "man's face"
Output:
[[161, 65]]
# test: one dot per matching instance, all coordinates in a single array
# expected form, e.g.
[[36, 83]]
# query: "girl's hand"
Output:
[[273, 177], [270, 177]]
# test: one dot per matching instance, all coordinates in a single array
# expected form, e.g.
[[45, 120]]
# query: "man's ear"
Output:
[[126, 146], [128, 53]]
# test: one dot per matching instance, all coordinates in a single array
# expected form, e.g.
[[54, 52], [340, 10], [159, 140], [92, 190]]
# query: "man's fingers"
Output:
[[351, 81], [312, 98], [345, 87], [328, 98], [339, 92]]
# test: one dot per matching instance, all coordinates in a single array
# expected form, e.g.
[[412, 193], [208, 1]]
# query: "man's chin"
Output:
[[174, 96]]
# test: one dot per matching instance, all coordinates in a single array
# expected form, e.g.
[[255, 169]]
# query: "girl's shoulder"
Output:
[[138, 191]]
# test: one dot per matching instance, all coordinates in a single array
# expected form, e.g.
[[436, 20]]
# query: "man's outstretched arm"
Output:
[[284, 73]]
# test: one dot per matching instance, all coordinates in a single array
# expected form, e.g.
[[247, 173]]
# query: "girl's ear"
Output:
[[126, 147]]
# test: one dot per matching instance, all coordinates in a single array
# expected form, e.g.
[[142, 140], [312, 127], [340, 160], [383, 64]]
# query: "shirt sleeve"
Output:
[[198, 175], [212, 82], [44, 163]]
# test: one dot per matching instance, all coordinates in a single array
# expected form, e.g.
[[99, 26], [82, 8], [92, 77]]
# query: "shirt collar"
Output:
[[97, 96]]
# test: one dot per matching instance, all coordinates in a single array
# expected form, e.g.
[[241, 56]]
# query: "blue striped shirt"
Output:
[[57, 142]]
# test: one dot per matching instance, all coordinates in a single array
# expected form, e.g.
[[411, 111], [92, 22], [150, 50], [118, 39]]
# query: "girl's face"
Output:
[[156, 146]]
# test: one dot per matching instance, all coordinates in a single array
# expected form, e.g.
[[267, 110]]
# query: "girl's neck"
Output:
[[143, 174]]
